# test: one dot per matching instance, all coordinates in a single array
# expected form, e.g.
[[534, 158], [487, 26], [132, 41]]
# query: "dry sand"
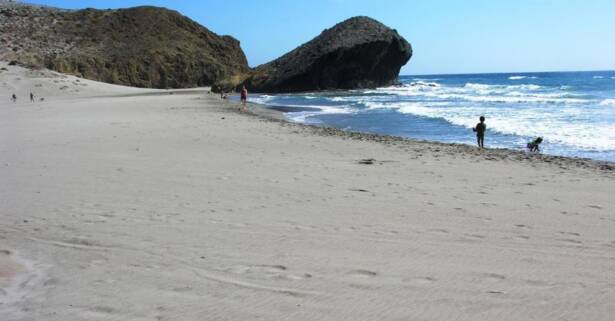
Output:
[[127, 204]]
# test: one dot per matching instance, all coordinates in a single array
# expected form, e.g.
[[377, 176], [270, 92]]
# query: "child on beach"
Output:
[[534, 146], [14, 98], [480, 132]]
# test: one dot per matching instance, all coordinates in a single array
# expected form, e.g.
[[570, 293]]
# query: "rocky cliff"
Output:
[[160, 48], [142, 46], [357, 53]]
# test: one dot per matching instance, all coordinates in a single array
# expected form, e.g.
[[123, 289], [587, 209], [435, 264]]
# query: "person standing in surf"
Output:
[[480, 132]]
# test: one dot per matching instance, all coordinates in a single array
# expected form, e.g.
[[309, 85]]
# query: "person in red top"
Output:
[[244, 95]]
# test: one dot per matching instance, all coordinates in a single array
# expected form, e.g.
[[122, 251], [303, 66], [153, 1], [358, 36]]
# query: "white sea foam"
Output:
[[261, 99], [554, 127], [477, 86], [473, 92], [521, 77], [598, 77], [303, 116], [562, 116], [502, 88], [425, 83], [608, 102]]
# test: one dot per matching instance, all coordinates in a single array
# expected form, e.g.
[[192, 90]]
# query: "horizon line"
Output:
[[507, 72]]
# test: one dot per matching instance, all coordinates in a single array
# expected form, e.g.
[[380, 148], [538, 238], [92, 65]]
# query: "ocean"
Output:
[[574, 112]]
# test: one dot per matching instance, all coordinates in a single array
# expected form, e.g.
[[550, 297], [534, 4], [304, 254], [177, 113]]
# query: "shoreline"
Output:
[[488, 153]]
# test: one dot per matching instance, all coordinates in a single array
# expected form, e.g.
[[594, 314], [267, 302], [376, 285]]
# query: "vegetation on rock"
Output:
[[142, 46]]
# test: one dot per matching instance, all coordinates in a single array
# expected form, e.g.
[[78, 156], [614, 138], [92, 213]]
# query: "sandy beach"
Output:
[[120, 203]]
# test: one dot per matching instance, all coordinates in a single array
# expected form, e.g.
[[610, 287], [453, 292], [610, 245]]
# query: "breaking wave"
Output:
[[573, 112], [521, 77], [554, 127], [608, 102]]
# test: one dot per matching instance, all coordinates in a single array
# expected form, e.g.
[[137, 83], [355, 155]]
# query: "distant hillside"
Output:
[[142, 46]]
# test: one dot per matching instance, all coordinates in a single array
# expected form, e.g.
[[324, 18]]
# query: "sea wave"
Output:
[[572, 119], [306, 116], [521, 77], [528, 87], [262, 99], [582, 135], [476, 92], [425, 83], [598, 77], [608, 102]]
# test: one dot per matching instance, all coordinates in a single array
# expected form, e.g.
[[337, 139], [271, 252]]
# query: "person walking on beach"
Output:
[[480, 132], [244, 95], [14, 98], [31, 97]]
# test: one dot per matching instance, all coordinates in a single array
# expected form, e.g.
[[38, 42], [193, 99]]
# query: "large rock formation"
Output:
[[357, 53], [160, 48], [143, 46]]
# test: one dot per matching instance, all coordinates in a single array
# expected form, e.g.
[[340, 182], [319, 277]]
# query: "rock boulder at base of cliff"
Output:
[[357, 53]]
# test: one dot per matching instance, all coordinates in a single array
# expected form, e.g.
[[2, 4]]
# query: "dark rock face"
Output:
[[159, 48], [142, 47], [357, 53]]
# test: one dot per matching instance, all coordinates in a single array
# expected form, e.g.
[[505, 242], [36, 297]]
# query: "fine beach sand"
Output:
[[132, 204]]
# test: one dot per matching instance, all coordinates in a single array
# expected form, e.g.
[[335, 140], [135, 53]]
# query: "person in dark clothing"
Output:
[[244, 95], [14, 98], [534, 146], [31, 97], [480, 132]]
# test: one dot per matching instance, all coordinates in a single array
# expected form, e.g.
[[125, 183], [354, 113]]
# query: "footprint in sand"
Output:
[[491, 277], [523, 226], [571, 241], [362, 273], [475, 236], [440, 231], [271, 271], [423, 280], [570, 233], [495, 292]]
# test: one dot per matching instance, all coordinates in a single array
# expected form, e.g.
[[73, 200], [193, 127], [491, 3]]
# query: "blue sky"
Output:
[[448, 36]]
